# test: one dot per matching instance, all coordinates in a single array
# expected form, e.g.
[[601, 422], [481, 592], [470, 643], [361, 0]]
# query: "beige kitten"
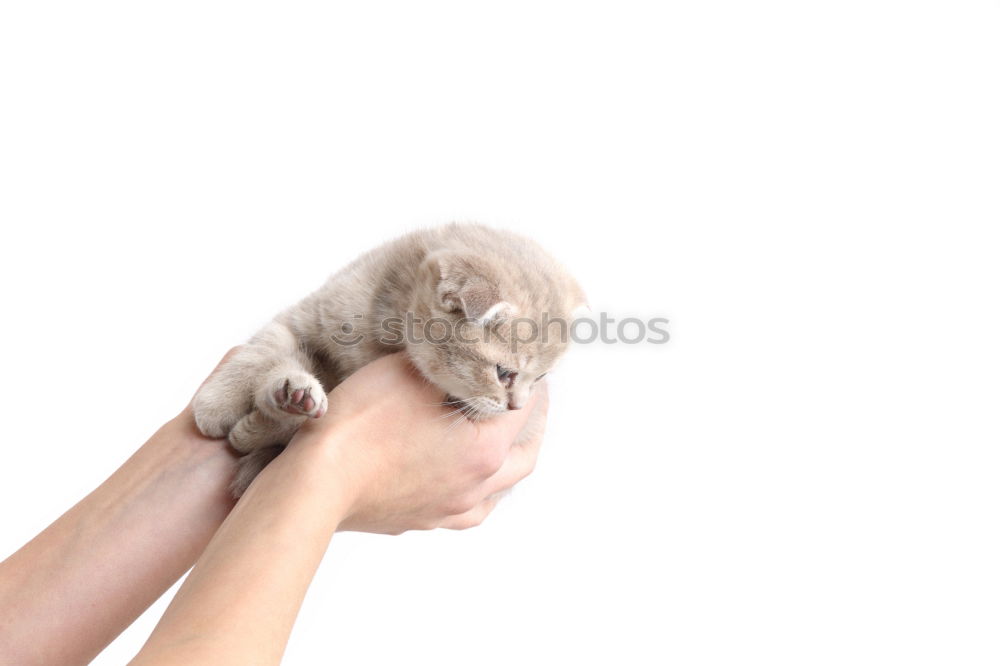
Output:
[[482, 314]]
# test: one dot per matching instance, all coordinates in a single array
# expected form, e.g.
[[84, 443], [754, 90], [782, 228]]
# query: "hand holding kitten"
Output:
[[386, 458], [400, 459]]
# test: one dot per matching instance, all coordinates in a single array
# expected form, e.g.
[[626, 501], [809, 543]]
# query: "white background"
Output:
[[806, 474]]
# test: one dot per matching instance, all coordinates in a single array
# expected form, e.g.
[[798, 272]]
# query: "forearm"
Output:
[[239, 603], [72, 589]]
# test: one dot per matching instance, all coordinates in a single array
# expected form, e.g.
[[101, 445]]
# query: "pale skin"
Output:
[[386, 458]]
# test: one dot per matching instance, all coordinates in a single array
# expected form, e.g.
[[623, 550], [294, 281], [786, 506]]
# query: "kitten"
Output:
[[487, 292]]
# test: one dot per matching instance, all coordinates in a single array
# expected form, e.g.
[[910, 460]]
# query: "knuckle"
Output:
[[461, 505], [488, 463], [530, 467], [468, 522]]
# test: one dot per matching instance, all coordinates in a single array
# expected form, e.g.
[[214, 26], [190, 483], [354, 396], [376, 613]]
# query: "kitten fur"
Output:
[[486, 283]]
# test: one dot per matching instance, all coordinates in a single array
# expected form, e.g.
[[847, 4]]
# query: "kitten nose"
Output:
[[512, 406]]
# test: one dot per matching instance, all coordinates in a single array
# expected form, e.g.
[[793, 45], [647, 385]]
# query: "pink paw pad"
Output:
[[299, 402]]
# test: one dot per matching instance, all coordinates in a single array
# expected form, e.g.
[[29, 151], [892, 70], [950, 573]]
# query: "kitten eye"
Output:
[[540, 376], [505, 376]]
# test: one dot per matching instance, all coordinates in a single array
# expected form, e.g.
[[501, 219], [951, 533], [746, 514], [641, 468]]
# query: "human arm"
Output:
[[72, 589], [382, 460]]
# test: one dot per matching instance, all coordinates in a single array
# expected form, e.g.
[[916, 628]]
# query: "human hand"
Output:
[[387, 458], [405, 461]]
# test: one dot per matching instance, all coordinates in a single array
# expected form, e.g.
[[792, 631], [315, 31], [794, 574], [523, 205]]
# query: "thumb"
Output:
[[503, 430]]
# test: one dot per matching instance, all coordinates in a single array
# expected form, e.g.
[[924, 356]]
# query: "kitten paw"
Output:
[[302, 396]]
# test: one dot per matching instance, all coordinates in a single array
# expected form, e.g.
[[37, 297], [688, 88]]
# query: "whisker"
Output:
[[468, 410], [451, 413], [454, 423], [477, 411], [447, 402]]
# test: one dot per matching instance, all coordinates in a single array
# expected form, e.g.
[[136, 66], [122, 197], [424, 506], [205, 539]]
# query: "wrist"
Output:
[[327, 467]]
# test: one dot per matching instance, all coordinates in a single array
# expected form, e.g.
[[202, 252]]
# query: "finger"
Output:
[[520, 462], [503, 430], [523, 455], [534, 427], [491, 448], [472, 517]]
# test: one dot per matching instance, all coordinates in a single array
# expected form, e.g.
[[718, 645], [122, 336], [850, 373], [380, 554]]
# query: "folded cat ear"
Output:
[[462, 287], [499, 311]]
